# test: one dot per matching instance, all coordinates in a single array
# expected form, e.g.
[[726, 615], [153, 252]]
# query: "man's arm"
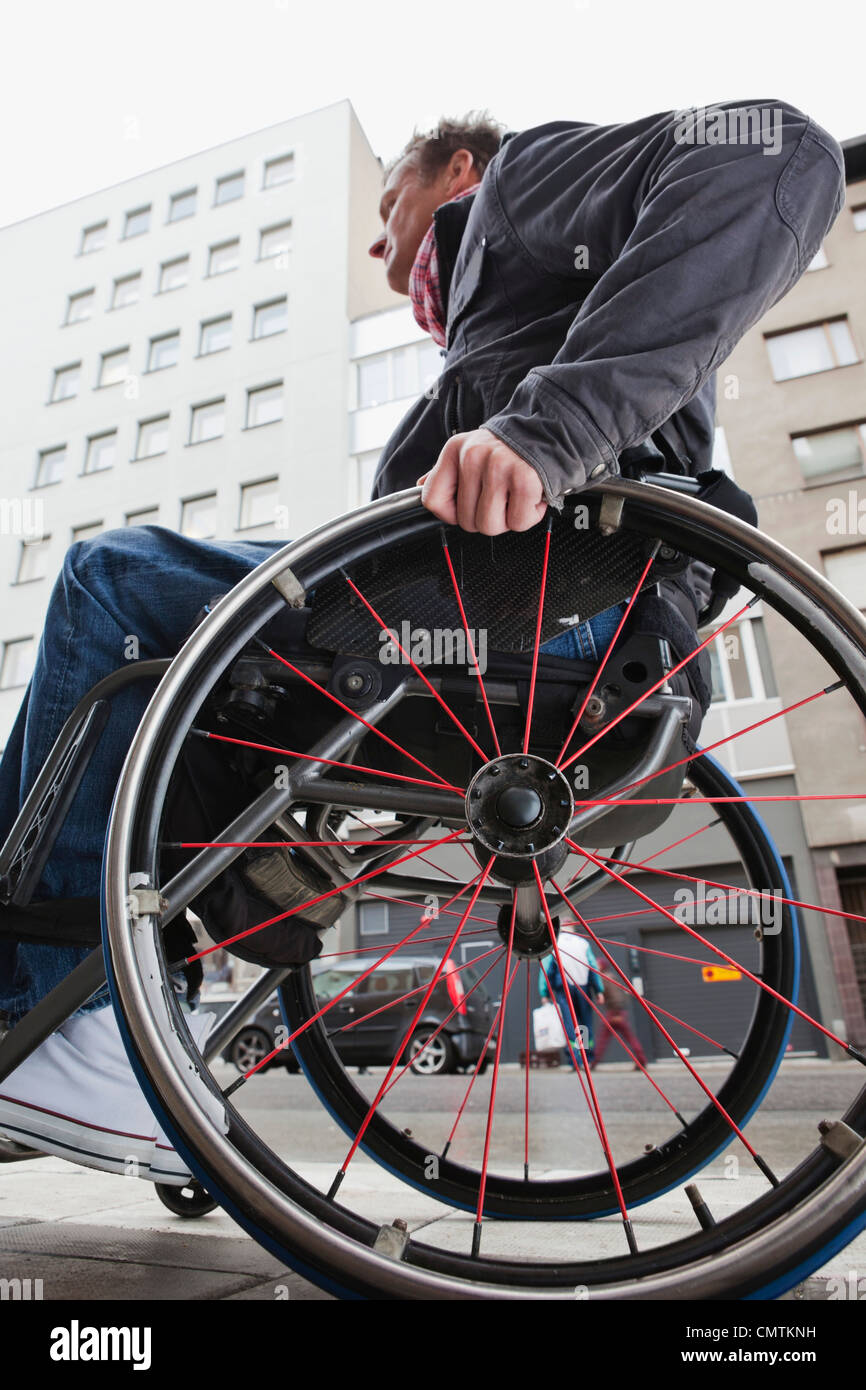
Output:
[[693, 242]]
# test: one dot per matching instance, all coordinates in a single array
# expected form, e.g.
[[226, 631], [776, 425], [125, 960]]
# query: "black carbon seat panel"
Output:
[[499, 579]]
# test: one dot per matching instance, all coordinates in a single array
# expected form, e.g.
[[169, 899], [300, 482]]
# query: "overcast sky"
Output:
[[96, 91]]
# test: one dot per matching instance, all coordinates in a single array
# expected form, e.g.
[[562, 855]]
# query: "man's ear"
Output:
[[461, 163]]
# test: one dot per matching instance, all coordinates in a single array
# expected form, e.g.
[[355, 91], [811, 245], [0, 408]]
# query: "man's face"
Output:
[[406, 208]]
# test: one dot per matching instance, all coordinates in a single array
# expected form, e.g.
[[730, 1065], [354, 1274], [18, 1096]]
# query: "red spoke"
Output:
[[471, 644], [422, 941], [717, 950], [623, 1044], [701, 830], [537, 645], [626, 945], [443, 911], [509, 980], [705, 1037], [685, 1061], [750, 892], [418, 1012], [441, 784], [288, 844], [423, 857], [604, 660], [526, 1086], [729, 738], [398, 946], [589, 1081], [497, 951], [473, 857], [570, 1051], [392, 1003], [417, 669], [347, 710], [482, 1188], [657, 685], [716, 800], [302, 907]]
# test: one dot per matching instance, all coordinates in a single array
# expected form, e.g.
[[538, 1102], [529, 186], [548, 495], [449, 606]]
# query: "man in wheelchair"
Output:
[[584, 283]]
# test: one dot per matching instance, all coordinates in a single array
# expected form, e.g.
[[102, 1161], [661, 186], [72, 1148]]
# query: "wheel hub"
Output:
[[518, 807]]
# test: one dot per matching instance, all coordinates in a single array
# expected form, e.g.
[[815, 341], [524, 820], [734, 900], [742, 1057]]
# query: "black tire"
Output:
[[249, 1047], [435, 1057], [189, 1202]]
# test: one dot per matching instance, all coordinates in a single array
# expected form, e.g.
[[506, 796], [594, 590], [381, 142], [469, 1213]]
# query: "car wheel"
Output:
[[431, 1056], [249, 1047]]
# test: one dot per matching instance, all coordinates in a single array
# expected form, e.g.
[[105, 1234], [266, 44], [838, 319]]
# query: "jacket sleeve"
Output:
[[692, 242]]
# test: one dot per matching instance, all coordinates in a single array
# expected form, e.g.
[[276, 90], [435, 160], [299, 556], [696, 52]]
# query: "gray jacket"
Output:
[[600, 276]]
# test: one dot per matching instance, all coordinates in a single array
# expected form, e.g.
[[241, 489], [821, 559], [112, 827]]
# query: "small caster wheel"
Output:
[[189, 1201]]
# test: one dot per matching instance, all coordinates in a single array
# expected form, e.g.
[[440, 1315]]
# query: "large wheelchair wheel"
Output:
[[553, 784]]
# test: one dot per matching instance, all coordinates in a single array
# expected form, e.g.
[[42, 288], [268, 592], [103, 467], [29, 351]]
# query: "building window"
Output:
[[137, 222], [208, 421], [373, 919], [147, 516], [80, 306], [858, 216], [392, 376], [101, 450], [127, 290], [152, 437], [94, 238], [846, 571], [198, 517], [173, 275], [270, 318], [114, 367], [19, 658], [279, 171], [32, 560], [819, 260], [265, 405], [49, 468], [374, 380], [803, 351], [740, 663], [66, 382], [86, 532], [831, 455], [259, 502], [182, 205], [223, 257], [216, 335], [228, 188], [163, 352], [275, 241]]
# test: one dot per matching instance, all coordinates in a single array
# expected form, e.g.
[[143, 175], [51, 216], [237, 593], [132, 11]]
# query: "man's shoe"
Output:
[[77, 1097]]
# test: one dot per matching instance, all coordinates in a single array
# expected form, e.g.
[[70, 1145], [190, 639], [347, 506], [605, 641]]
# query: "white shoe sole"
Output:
[[62, 1098]]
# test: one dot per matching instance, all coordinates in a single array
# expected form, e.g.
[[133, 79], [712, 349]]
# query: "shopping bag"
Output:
[[547, 1030]]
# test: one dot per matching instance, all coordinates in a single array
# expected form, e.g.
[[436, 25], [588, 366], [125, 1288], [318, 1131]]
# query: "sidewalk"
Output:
[[91, 1236]]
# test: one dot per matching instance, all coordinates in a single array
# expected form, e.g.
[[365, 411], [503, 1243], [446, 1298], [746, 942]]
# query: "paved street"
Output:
[[95, 1236]]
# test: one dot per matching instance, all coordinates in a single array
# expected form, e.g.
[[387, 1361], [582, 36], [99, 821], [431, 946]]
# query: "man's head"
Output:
[[432, 168]]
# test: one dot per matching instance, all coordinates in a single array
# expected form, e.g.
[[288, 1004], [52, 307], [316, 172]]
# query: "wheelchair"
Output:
[[312, 714]]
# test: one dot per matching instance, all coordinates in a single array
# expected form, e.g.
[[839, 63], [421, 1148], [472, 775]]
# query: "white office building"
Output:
[[177, 350]]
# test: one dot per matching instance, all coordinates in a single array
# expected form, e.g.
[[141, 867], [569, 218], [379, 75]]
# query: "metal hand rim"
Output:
[[188, 1102]]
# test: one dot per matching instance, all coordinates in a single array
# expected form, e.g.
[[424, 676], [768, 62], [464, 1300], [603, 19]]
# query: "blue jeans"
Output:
[[148, 584], [585, 1019]]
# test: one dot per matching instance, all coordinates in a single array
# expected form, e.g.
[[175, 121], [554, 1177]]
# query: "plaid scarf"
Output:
[[424, 289]]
